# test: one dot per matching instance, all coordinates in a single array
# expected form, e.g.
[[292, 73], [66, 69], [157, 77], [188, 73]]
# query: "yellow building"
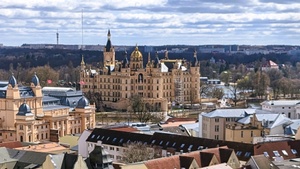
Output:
[[160, 82], [27, 115]]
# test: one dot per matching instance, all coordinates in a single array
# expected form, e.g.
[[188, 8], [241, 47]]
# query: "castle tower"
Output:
[[12, 89], [136, 59], [108, 52], [37, 90]]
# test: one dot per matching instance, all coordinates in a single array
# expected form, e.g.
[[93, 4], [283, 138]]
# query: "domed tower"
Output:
[[24, 121], [12, 88], [86, 112], [35, 86], [37, 90], [108, 52], [136, 59]]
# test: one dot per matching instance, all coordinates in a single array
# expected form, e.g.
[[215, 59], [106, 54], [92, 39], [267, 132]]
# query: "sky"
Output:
[[150, 22]]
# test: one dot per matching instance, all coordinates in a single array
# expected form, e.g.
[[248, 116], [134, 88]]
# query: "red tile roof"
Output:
[[163, 163], [12, 144]]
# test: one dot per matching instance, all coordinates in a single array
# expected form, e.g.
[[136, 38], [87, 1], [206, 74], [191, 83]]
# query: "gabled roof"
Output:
[[286, 149], [281, 119], [164, 162], [280, 102], [206, 158], [185, 161], [114, 137], [69, 161], [261, 161], [229, 113], [31, 157]]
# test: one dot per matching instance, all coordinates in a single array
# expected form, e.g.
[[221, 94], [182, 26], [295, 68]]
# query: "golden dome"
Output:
[[136, 54]]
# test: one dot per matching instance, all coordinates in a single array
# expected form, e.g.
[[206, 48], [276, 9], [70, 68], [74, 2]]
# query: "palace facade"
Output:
[[160, 82], [28, 115]]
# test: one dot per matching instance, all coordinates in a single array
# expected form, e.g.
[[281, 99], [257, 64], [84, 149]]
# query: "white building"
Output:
[[290, 108]]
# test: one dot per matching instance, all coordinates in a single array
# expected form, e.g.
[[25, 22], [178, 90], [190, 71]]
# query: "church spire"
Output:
[[108, 43], [108, 34]]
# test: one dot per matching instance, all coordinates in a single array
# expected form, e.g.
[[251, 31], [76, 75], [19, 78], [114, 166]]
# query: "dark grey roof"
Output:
[[49, 99], [82, 103], [54, 107], [117, 138], [12, 81], [25, 92], [24, 110], [108, 43], [30, 157], [167, 141], [69, 161], [35, 80]]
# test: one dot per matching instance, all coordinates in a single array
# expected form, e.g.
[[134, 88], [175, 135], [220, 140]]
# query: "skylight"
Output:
[[121, 140], [238, 153], [153, 141], [266, 154], [161, 142], [276, 153], [174, 144], [182, 145], [285, 153], [247, 154], [294, 151], [167, 143]]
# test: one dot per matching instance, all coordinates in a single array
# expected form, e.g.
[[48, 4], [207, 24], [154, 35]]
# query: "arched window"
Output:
[[140, 78]]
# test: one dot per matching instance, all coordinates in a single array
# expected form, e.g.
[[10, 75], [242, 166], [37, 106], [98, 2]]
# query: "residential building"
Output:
[[196, 159], [254, 128], [26, 115], [11, 158], [213, 124], [290, 108], [160, 82]]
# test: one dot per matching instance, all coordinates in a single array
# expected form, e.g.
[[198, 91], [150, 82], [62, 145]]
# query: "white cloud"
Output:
[[151, 21]]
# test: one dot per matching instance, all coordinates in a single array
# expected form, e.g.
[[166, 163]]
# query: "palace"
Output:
[[28, 114], [160, 82]]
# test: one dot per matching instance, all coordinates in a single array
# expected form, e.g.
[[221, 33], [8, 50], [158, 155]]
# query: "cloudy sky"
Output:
[[151, 22]]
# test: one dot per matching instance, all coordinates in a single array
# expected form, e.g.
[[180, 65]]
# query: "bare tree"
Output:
[[141, 110], [137, 152]]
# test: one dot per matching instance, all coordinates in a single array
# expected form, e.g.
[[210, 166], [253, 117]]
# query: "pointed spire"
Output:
[[82, 60], [108, 34], [108, 43]]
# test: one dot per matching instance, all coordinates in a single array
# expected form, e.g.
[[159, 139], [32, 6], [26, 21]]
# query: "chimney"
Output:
[[168, 154], [181, 151]]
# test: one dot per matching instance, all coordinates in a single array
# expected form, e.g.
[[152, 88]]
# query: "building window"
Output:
[[111, 148], [216, 128], [216, 119], [242, 134], [21, 127], [289, 115], [216, 137], [251, 133]]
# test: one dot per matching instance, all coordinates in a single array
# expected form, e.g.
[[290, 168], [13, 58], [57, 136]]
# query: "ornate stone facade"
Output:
[[160, 82], [27, 115]]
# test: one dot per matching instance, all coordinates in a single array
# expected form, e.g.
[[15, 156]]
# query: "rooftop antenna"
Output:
[[81, 28], [57, 37]]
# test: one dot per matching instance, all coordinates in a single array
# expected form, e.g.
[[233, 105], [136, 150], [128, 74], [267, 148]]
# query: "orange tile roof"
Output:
[[11, 144], [46, 148], [163, 163], [125, 129]]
